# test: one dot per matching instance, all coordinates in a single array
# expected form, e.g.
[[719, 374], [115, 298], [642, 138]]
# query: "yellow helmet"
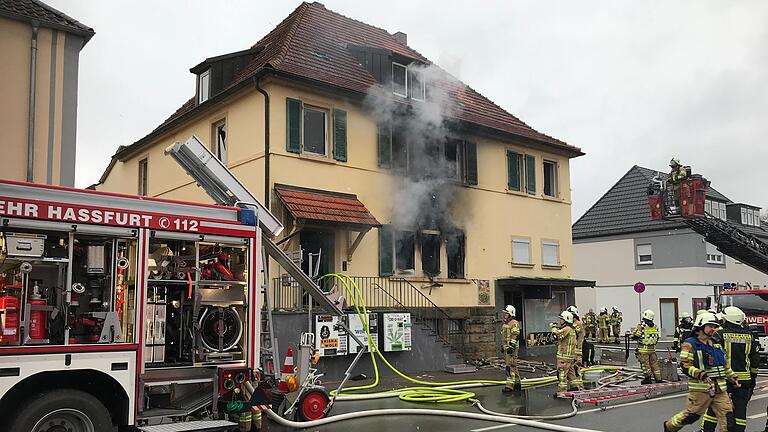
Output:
[[734, 315], [649, 315]]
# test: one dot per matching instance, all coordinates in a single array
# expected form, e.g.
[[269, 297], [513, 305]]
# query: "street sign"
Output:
[[639, 287]]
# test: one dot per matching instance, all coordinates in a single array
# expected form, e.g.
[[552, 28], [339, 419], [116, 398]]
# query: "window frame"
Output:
[[395, 264], [418, 79], [325, 113], [555, 187], [522, 171], [550, 242], [215, 147], [436, 237], [521, 240], [143, 178], [638, 255], [712, 258], [204, 91], [405, 69]]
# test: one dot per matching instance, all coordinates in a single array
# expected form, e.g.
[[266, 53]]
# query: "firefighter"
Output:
[[578, 351], [590, 324], [566, 347], [742, 352], [510, 332], [616, 318], [647, 335], [707, 368], [602, 325], [682, 331], [677, 172]]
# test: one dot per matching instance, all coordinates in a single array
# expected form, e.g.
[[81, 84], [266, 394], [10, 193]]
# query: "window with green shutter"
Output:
[[384, 139], [470, 152], [293, 125], [530, 174], [513, 171], [340, 135], [386, 249]]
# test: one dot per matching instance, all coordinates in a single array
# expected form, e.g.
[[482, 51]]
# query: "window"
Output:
[[416, 85], [315, 130], [521, 251], [203, 86], [143, 177], [455, 248], [698, 304], [521, 172], [719, 209], [220, 141], [461, 161], [550, 253], [404, 251], [713, 255], [644, 254], [399, 150], [550, 178], [430, 252], [708, 206], [399, 80], [750, 216]]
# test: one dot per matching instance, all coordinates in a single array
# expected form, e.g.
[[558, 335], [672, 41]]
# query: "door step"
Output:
[[197, 426]]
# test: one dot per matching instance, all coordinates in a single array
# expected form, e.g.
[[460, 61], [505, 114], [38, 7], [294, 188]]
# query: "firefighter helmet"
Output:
[[649, 315], [510, 310], [685, 315], [567, 317], [615, 308], [573, 309], [734, 315], [603, 310], [704, 319], [674, 162]]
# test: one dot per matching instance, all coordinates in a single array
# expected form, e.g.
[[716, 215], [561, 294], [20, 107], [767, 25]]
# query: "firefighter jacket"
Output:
[[701, 360], [742, 350], [683, 332], [580, 335], [566, 342], [590, 320], [647, 335], [678, 174], [509, 334], [616, 318], [603, 319]]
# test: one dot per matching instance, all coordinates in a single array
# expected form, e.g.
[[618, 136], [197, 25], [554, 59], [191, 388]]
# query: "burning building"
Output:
[[382, 166]]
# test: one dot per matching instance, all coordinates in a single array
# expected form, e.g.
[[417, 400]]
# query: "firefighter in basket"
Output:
[[647, 335], [510, 331], [566, 348]]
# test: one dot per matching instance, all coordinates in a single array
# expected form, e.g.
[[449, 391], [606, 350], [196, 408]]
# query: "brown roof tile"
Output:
[[324, 206], [46, 15]]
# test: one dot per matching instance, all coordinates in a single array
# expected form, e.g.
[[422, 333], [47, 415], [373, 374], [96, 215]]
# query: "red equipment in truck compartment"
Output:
[[9, 319], [693, 193]]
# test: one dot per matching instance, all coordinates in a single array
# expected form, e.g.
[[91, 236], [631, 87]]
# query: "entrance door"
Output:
[[314, 242], [668, 315]]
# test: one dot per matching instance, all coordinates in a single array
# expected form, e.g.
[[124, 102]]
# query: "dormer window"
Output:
[[203, 86], [399, 79]]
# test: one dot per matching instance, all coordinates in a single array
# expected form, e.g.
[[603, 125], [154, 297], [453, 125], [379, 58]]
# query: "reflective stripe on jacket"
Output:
[[566, 342], [648, 337], [742, 350], [701, 360]]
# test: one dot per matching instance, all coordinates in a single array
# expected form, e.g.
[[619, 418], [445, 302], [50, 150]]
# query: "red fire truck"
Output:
[[754, 303], [120, 310]]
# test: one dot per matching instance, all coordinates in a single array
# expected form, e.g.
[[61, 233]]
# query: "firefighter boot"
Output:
[[507, 390], [646, 381], [518, 387]]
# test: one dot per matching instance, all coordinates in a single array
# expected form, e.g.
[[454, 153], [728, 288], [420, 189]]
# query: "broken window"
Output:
[[399, 149], [453, 159], [404, 250], [399, 80], [455, 248], [430, 252], [315, 130]]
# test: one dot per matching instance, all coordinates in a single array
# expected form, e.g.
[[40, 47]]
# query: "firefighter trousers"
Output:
[[590, 332], [565, 374], [698, 403], [649, 362], [513, 376], [616, 332], [587, 353], [602, 335], [740, 398]]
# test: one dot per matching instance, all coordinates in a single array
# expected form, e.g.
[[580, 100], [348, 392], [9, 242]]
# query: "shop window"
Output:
[[538, 314], [455, 245], [521, 251], [550, 251], [644, 254], [430, 252]]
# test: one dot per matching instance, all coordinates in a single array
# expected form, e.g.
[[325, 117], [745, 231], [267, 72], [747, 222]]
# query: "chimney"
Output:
[[401, 37]]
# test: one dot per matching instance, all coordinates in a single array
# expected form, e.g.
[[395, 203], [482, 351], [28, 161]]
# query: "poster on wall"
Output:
[[329, 340], [397, 331], [356, 327]]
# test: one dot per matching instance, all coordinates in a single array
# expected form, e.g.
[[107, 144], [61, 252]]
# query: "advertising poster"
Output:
[[329, 341], [356, 327], [397, 331]]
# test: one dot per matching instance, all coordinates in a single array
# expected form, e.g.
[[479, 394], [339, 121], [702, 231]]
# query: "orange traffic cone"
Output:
[[288, 370]]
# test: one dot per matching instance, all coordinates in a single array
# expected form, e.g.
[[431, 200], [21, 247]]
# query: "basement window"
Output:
[[430, 252], [315, 130], [455, 248], [399, 79], [404, 251], [203, 86]]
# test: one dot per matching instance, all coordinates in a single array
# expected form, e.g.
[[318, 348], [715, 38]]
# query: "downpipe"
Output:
[[32, 96]]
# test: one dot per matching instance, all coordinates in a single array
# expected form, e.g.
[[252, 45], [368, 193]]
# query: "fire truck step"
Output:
[[198, 426]]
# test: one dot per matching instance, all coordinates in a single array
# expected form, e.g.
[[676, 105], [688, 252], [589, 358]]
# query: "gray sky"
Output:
[[629, 82]]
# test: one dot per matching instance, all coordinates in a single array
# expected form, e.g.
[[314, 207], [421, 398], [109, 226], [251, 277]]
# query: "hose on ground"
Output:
[[574, 411]]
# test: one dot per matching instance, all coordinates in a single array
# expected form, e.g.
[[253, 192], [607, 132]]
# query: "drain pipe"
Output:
[[32, 95], [266, 141]]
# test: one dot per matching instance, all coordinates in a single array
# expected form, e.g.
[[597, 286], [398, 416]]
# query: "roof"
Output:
[[325, 207], [311, 44], [34, 10], [624, 208]]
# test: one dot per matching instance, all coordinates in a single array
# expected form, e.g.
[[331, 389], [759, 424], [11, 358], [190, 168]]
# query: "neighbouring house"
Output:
[[617, 244], [38, 117], [382, 166]]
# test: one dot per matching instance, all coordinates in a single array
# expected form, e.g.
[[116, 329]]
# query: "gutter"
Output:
[[256, 82], [32, 96]]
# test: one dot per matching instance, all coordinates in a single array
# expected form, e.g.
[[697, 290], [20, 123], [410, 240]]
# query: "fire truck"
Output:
[[684, 201], [119, 311]]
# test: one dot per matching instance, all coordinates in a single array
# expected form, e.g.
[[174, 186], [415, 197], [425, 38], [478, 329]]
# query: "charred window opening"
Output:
[[315, 131], [399, 149], [404, 250], [453, 159], [455, 247], [430, 252]]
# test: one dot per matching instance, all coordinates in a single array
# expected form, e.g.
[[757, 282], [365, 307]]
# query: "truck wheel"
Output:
[[62, 411]]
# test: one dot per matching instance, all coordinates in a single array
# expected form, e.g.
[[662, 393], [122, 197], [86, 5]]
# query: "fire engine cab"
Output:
[[122, 310], [754, 303]]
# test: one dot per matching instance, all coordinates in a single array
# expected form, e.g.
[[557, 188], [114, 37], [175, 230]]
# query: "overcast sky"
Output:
[[630, 82]]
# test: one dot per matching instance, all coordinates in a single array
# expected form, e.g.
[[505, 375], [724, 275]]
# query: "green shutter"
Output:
[[293, 125], [384, 138], [470, 151], [386, 248], [513, 171], [530, 174], [340, 135]]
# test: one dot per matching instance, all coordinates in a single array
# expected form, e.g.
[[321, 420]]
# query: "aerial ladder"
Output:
[[684, 201]]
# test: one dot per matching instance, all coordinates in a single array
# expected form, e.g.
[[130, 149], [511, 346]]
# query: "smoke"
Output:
[[427, 187]]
